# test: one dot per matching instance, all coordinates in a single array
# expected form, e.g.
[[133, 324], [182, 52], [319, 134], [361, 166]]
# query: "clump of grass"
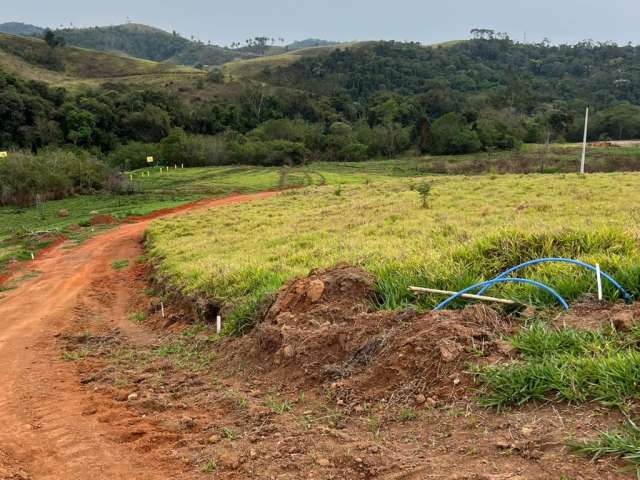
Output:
[[623, 444], [209, 467], [186, 353], [610, 379], [566, 364], [278, 406], [229, 434], [138, 317], [74, 355], [539, 340], [120, 264], [407, 415]]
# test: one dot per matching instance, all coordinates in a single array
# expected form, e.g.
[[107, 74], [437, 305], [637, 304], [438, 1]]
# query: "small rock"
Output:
[[535, 455], [253, 453], [214, 439], [420, 399], [505, 348], [132, 397], [324, 462], [63, 212], [187, 423], [526, 431], [229, 459], [432, 402], [623, 321], [315, 290], [528, 312]]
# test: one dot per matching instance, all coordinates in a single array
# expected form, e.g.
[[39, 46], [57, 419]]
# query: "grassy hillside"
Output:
[[32, 58], [149, 43]]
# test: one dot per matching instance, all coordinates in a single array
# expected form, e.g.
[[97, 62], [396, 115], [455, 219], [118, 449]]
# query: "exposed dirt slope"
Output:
[[48, 429]]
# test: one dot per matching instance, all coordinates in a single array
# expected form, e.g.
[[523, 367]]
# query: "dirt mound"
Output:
[[320, 331], [344, 288], [593, 315]]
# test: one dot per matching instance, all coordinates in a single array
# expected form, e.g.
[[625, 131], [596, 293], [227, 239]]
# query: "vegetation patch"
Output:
[[458, 241]]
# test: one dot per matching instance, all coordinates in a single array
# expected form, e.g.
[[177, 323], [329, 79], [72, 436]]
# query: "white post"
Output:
[[33, 258], [182, 165], [218, 324], [599, 280], [162, 308], [584, 142]]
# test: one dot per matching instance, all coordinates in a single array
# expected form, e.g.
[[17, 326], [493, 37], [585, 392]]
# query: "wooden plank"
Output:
[[420, 290]]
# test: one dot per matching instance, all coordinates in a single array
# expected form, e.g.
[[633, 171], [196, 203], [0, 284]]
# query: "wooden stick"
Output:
[[466, 295]]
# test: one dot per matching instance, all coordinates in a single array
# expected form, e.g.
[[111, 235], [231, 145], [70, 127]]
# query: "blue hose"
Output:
[[608, 277], [490, 283]]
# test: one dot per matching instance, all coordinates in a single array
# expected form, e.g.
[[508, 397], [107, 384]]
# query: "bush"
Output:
[[353, 152], [270, 153], [133, 155], [27, 179], [451, 134]]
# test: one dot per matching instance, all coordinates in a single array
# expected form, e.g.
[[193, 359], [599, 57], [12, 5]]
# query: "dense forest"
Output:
[[372, 100]]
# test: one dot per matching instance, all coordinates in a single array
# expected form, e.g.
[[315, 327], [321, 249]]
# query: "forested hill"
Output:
[[475, 74], [149, 43]]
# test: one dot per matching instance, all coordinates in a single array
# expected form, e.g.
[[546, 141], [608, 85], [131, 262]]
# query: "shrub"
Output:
[[270, 153], [27, 179], [133, 155], [451, 134]]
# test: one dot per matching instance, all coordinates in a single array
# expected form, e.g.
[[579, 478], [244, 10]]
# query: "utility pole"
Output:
[[584, 142]]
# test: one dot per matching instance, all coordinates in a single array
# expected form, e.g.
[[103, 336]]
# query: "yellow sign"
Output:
[[3, 154], [149, 159]]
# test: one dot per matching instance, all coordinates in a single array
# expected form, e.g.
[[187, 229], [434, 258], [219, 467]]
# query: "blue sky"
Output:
[[425, 21]]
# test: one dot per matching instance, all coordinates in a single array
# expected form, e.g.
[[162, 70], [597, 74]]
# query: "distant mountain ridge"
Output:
[[19, 28]]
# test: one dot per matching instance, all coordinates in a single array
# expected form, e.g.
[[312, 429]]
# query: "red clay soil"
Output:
[[47, 429]]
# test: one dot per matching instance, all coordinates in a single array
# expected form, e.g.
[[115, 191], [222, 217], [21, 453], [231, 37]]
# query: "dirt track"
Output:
[[48, 430]]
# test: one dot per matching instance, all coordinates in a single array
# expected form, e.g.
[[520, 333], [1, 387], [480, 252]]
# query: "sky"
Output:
[[425, 21]]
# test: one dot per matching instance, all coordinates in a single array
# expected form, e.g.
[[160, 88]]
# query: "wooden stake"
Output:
[[584, 142], [162, 308], [420, 290], [218, 324]]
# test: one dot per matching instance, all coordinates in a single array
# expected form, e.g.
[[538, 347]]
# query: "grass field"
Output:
[[17, 225], [473, 228]]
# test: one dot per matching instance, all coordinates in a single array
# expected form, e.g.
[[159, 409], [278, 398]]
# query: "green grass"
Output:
[[566, 364], [474, 228], [624, 443], [120, 264]]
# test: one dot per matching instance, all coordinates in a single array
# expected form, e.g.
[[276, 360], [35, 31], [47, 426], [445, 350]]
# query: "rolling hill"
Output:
[[149, 43], [18, 28], [32, 58]]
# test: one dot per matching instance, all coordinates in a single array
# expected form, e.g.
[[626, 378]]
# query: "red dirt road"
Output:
[[48, 427]]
